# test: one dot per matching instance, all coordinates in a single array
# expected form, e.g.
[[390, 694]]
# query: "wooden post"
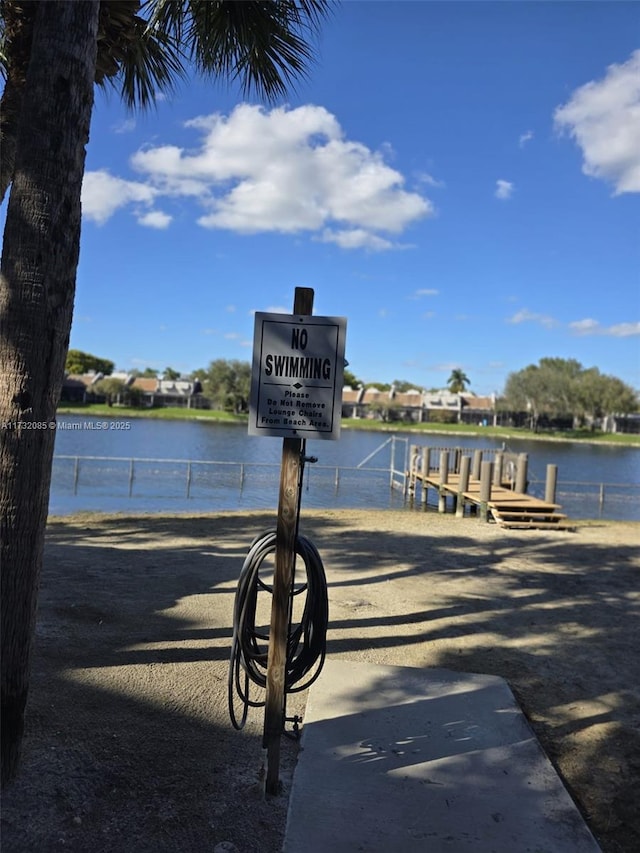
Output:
[[444, 476], [477, 463], [463, 485], [286, 529], [486, 478], [521, 473], [550, 484], [426, 463], [498, 465], [413, 468]]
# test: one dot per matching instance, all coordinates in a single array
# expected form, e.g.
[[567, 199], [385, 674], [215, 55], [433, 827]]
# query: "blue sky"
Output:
[[459, 180]]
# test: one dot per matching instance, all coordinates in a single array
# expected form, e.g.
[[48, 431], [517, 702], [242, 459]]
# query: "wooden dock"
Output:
[[491, 495]]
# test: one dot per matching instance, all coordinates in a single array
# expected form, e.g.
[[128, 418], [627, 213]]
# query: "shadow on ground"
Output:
[[129, 745]]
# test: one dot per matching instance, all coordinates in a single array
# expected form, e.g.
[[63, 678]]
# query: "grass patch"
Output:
[[500, 432], [168, 413]]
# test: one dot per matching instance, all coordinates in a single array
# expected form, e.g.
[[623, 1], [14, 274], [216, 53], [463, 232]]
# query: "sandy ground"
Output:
[[129, 745]]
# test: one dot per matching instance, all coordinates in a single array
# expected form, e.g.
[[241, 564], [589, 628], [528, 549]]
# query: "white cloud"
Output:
[[623, 330], [288, 171], [426, 178], [427, 291], [103, 194], [278, 309], [155, 219], [524, 138], [593, 327], [356, 238], [603, 117], [504, 189], [526, 316], [585, 327], [447, 366], [125, 126]]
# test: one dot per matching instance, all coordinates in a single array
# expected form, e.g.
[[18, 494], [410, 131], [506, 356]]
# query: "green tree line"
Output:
[[557, 388], [553, 388]]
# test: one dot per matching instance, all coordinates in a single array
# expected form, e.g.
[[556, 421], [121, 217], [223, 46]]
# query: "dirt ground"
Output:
[[129, 745]]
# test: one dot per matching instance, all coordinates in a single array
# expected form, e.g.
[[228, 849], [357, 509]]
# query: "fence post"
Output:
[[392, 466], [463, 485], [189, 479], [76, 475], [131, 464], [486, 478]]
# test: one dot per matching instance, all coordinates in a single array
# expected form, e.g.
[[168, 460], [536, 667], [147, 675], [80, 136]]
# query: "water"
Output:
[[217, 481]]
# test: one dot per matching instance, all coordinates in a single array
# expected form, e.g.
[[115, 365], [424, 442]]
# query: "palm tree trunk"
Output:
[[18, 31], [39, 260]]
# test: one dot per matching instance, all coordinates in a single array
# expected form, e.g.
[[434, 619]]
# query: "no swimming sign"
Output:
[[297, 376]]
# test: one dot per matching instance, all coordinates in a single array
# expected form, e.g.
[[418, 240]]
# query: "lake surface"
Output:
[[202, 466]]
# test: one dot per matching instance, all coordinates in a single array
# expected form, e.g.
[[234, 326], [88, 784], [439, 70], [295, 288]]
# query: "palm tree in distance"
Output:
[[457, 381], [51, 55]]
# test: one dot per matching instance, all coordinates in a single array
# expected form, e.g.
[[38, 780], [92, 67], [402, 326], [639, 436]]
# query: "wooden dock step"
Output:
[[536, 525], [535, 516], [535, 520], [530, 504]]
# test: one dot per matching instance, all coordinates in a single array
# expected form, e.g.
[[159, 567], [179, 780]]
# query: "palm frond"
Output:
[[265, 44], [137, 60]]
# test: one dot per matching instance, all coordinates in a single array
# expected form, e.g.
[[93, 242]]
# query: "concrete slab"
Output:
[[403, 759]]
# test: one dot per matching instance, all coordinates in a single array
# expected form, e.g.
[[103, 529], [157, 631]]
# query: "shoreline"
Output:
[[101, 517], [630, 440]]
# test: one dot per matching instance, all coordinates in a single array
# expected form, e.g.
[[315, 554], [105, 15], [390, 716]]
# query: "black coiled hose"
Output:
[[306, 641]]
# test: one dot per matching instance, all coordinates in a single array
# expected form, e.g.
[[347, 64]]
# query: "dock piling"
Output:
[[550, 484], [477, 463], [463, 485], [486, 479], [498, 465], [521, 473], [444, 477], [426, 464]]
